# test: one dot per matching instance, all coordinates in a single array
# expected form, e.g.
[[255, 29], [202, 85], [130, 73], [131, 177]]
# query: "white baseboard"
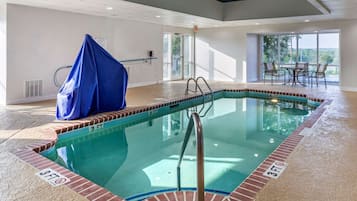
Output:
[[32, 99], [353, 89]]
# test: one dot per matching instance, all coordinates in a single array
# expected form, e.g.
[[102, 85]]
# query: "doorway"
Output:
[[177, 57]]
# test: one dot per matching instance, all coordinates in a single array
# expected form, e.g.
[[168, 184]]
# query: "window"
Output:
[[307, 48], [286, 49], [188, 57], [329, 54], [177, 56], [271, 48], [167, 57]]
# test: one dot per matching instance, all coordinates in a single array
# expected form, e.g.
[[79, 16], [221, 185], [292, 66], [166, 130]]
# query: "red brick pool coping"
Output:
[[247, 190]]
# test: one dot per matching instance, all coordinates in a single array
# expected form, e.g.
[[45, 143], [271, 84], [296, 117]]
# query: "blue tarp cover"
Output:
[[96, 83]]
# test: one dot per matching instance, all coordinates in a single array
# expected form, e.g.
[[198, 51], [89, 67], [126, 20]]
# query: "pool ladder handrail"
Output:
[[207, 85], [194, 109], [194, 121], [197, 86]]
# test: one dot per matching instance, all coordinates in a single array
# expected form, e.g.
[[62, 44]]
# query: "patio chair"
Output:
[[272, 70], [302, 70], [319, 73]]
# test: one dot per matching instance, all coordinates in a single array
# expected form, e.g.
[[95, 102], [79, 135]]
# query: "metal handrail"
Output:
[[197, 86], [55, 81], [188, 83], [194, 121], [207, 85], [208, 109], [57, 84], [139, 59]]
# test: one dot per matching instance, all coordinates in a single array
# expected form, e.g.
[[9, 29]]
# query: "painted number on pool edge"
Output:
[[275, 170], [52, 177]]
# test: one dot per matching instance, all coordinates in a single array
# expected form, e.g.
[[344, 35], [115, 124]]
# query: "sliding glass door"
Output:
[[177, 57]]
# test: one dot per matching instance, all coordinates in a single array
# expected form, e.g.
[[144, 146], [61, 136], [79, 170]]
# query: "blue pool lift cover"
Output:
[[96, 83]]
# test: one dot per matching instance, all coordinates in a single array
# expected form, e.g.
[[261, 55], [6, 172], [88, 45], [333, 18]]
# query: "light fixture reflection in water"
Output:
[[274, 100], [271, 140]]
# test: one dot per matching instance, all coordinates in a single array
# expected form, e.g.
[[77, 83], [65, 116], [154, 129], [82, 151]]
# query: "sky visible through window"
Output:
[[329, 40], [326, 40]]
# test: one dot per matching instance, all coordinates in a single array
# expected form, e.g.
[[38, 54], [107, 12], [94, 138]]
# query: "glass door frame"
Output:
[[182, 58]]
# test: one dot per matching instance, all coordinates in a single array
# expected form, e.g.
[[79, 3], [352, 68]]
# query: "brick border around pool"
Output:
[[245, 191]]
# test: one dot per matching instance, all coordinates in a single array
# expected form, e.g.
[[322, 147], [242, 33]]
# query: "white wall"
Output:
[[169, 29], [348, 46], [134, 40], [2, 53], [220, 55], [41, 40], [232, 42]]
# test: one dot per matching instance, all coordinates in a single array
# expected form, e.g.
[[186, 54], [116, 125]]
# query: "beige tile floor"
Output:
[[322, 167]]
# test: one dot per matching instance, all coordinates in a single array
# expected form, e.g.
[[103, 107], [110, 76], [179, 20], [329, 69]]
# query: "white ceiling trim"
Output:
[[320, 6]]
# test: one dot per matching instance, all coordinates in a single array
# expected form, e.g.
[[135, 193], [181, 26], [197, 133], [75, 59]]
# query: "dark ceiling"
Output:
[[225, 1], [232, 10]]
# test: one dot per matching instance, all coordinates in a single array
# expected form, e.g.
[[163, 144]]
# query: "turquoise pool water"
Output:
[[138, 155]]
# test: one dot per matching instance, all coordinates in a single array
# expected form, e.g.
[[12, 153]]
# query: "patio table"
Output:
[[293, 71]]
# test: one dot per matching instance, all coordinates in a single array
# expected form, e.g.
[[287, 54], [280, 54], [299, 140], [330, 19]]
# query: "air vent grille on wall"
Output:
[[33, 88]]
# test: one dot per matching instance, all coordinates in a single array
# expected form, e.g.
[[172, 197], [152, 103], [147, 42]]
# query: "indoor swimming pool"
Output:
[[136, 156]]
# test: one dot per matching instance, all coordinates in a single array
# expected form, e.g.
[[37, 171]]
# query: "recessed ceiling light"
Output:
[[109, 8], [292, 32], [306, 20], [157, 16], [257, 23]]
